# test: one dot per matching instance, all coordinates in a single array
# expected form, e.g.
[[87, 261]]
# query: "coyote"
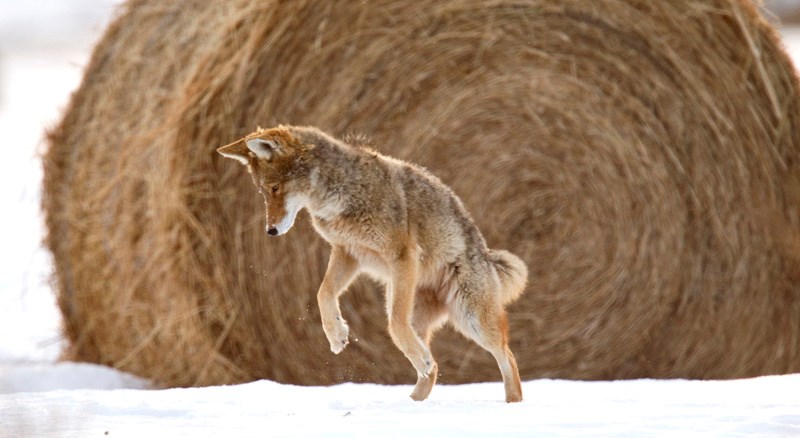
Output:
[[398, 223]]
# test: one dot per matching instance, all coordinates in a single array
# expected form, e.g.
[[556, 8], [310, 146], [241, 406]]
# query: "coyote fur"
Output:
[[398, 223]]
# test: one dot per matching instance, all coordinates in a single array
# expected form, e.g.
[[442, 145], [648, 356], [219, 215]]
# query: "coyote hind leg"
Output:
[[487, 325]]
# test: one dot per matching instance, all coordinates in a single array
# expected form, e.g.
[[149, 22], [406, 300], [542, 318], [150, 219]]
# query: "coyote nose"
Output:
[[272, 231]]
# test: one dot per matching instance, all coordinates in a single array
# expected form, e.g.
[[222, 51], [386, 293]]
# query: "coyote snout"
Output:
[[281, 212], [381, 215]]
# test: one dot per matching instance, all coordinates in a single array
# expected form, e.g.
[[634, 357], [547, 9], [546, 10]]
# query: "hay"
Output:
[[642, 157]]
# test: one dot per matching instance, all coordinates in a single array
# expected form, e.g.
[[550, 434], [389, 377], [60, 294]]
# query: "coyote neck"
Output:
[[355, 195], [339, 177]]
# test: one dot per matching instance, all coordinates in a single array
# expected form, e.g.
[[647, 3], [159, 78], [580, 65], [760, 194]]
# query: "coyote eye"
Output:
[[274, 188]]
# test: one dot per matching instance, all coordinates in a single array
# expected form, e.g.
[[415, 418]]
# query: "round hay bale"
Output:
[[641, 157]]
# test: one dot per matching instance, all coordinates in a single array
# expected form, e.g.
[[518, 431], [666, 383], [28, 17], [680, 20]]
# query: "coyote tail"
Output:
[[512, 272]]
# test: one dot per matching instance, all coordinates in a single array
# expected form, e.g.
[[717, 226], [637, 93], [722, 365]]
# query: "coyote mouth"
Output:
[[293, 206]]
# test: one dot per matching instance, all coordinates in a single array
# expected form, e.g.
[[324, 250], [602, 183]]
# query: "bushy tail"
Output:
[[512, 272]]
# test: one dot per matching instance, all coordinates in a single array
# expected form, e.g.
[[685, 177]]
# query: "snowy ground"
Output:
[[766, 406], [43, 46]]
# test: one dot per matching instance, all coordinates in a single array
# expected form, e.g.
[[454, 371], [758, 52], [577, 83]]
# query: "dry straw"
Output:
[[641, 156]]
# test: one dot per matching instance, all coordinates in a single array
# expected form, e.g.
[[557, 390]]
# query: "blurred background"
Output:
[[787, 11], [44, 46]]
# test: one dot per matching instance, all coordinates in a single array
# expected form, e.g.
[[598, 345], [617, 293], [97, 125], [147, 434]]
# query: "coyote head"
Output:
[[275, 159]]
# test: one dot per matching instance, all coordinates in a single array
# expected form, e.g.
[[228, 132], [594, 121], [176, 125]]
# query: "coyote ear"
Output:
[[238, 151], [263, 148]]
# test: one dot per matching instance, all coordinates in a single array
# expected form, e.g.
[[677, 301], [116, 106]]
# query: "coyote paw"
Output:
[[337, 336], [424, 366], [424, 385]]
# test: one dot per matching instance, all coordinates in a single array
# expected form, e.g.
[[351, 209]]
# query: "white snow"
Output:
[[41, 377], [765, 406], [44, 45]]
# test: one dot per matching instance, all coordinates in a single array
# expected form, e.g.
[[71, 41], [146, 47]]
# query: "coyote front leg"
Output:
[[400, 302], [342, 268]]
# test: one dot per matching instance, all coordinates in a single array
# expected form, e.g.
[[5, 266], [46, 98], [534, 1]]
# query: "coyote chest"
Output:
[[356, 243]]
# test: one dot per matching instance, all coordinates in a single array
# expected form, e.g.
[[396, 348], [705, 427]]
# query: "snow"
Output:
[[42, 377], [44, 45], [765, 406]]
